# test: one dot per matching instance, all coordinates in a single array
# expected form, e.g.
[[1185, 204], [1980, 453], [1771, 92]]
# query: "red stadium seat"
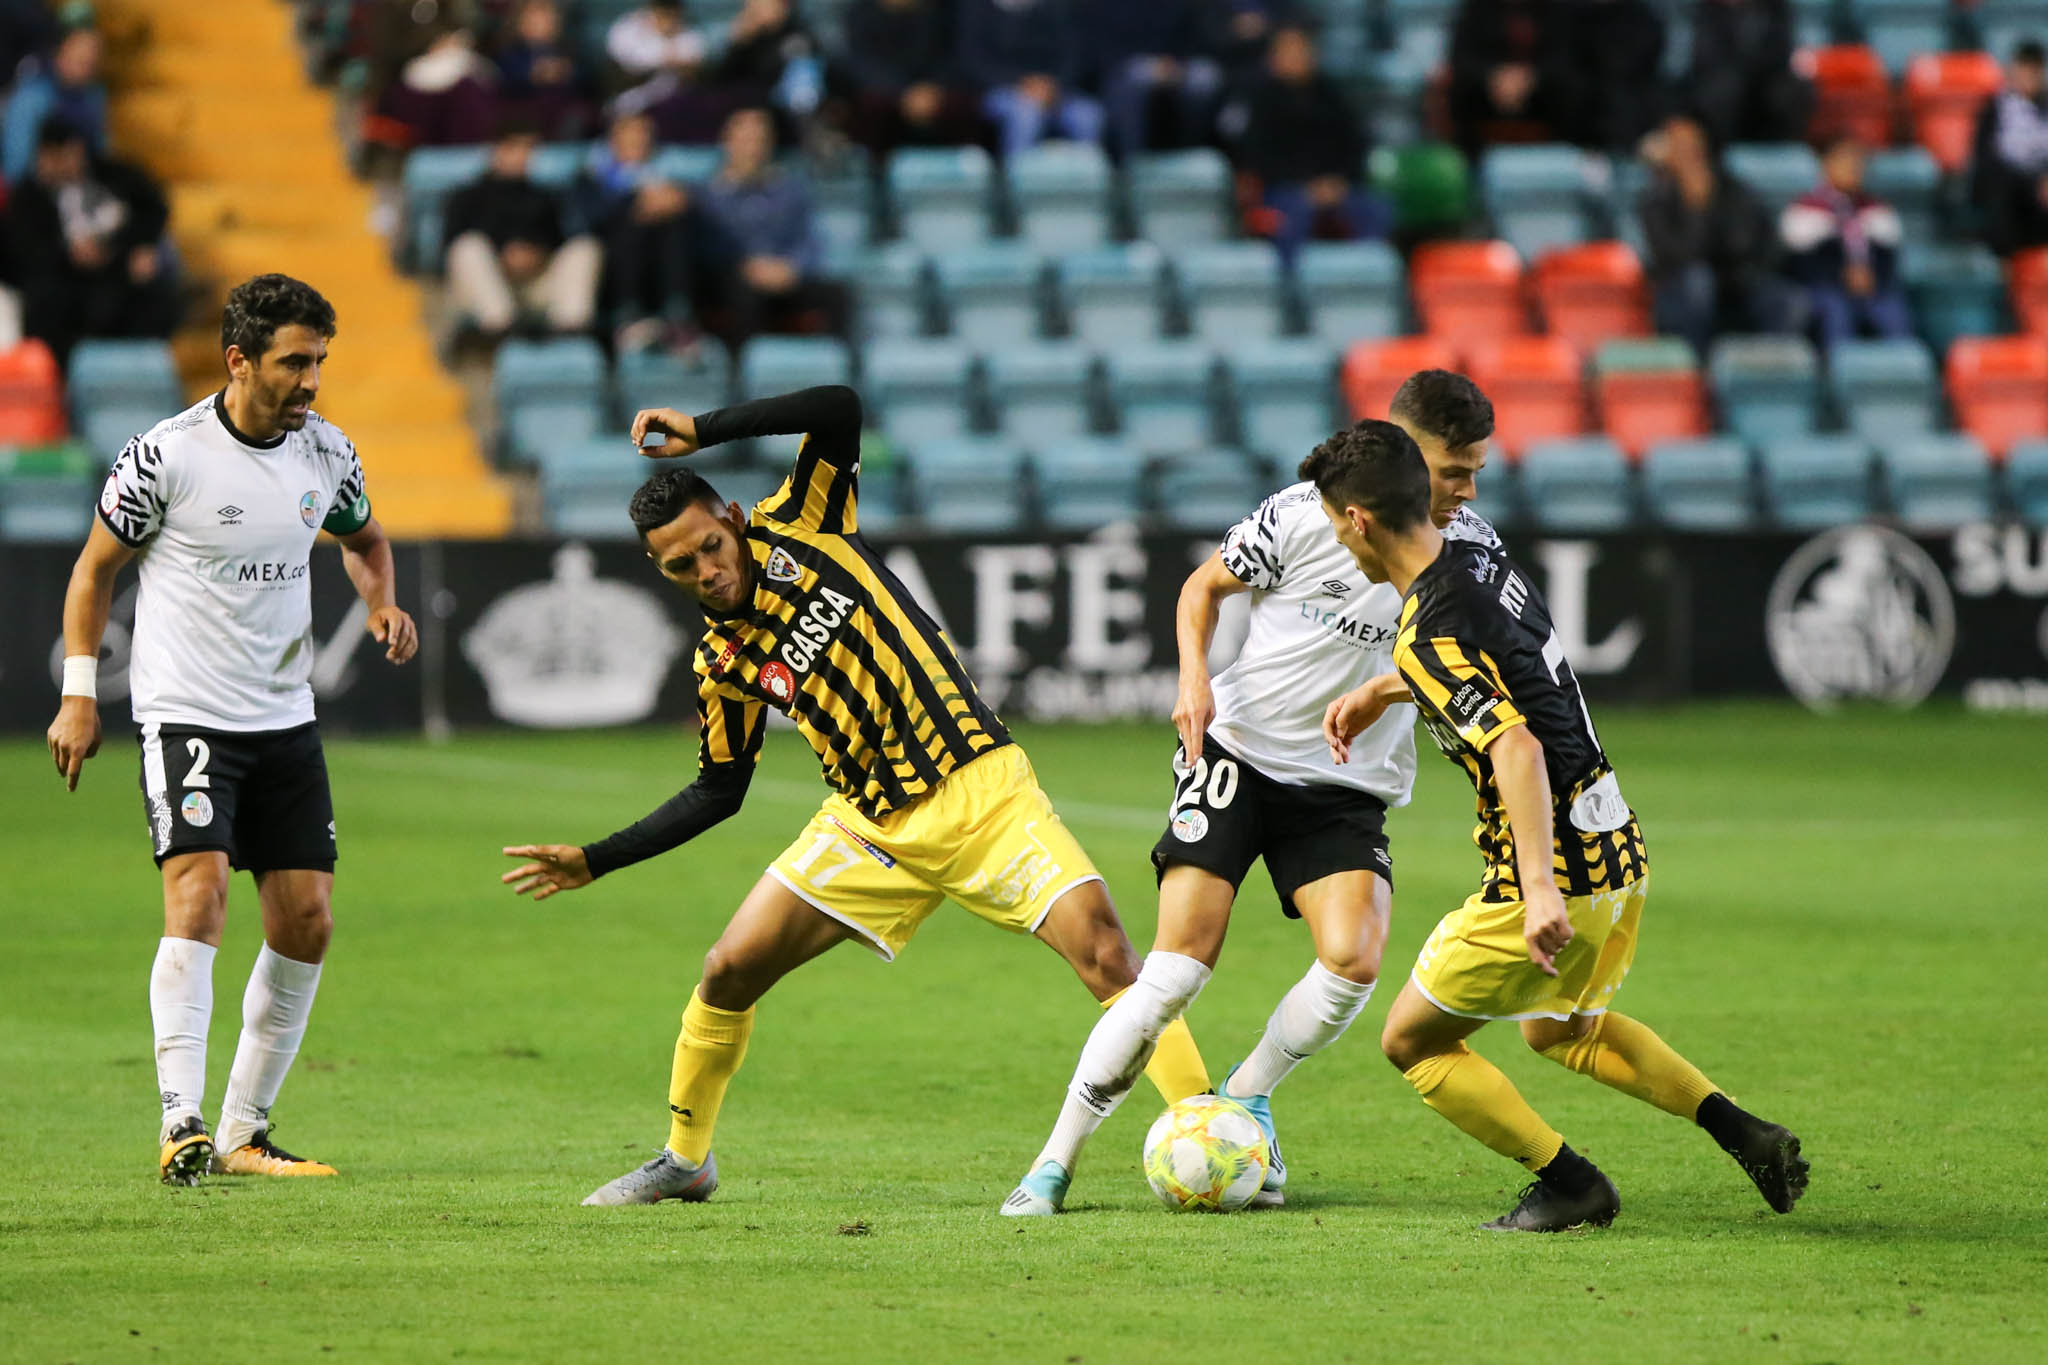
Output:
[[1650, 393], [31, 396], [1999, 386], [1537, 386], [1852, 95], [2029, 276], [1469, 291], [1374, 369], [1591, 293], [1945, 91]]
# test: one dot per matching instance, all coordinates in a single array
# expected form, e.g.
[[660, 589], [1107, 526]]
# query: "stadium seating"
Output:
[[842, 202], [1956, 291], [1900, 30], [895, 291], [660, 379], [1468, 291], [1160, 391], [1536, 386], [1373, 370], [431, 175], [1944, 91], [1422, 29], [1181, 199], [974, 484], [1059, 194], [991, 293], [1536, 196], [2026, 481], [1579, 484], [549, 394], [1852, 94], [941, 195], [1112, 295], [2003, 24], [919, 389], [1937, 482], [777, 364], [119, 388], [1040, 391], [2028, 271], [1283, 395], [1884, 387], [1700, 485], [1231, 291], [1592, 293], [1778, 172], [1207, 490], [1351, 290], [1813, 482], [1766, 386], [1908, 180], [1649, 391], [1087, 483], [1499, 497], [31, 395], [1999, 388]]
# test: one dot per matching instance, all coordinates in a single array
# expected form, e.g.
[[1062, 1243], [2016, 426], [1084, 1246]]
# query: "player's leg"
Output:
[[276, 1005], [181, 1007]]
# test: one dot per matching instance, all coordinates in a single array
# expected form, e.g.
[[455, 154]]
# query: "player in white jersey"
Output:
[[219, 507], [1253, 779]]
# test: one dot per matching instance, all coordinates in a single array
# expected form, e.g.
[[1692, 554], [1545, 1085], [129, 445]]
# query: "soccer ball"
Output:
[[1206, 1152]]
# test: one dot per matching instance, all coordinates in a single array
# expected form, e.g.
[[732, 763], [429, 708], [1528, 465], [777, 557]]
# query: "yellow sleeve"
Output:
[[1465, 691], [731, 726]]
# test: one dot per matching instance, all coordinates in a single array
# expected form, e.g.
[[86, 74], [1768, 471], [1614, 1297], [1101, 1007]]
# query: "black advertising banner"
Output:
[[560, 634]]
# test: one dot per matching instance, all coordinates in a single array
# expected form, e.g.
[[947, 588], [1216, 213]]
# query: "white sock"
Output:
[[1119, 1047], [274, 1012], [1310, 1017], [180, 1008]]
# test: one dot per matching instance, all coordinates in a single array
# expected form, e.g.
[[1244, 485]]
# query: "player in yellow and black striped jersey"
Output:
[[1551, 933], [930, 797]]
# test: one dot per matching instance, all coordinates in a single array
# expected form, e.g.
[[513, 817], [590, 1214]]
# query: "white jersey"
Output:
[[224, 527], [1319, 627]]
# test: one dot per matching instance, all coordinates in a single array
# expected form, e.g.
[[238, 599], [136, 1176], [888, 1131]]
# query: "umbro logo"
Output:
[[1335, 587], [230, 515]]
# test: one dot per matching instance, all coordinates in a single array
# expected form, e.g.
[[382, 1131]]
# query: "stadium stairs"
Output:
[[215, 101]]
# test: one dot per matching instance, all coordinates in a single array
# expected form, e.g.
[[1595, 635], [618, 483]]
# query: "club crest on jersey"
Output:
[[778, 681], [110, 493], [309, 509], [197, 808], [1191, 826], [782, 566]]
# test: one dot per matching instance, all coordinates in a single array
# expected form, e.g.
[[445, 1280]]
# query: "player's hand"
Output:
[[1546, 928], [393, 629], [74, 737], [679, 427], [555, 867], [1193, 709], [1348, 717]]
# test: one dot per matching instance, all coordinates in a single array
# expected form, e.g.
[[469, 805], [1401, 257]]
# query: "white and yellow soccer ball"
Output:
[[1208, 1153]]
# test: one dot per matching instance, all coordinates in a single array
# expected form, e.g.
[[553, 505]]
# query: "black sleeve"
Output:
[[829, 413], [716, 795]]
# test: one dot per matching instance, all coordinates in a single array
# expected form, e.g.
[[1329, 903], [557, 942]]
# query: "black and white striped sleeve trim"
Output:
[[1252, 548], [132, 502]]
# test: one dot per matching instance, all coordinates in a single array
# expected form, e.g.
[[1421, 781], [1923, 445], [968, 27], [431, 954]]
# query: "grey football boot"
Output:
[[666, 1177]]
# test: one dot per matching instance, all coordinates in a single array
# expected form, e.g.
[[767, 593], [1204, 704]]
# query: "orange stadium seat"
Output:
[[1537, 387], [1944, 91], [1999, 386], [1852, 95], [1650, 392], [1469, 291], [31, 395], [1374, 369], [1591, 293], [2029, 275]]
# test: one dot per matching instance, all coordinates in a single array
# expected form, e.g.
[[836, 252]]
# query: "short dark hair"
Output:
[[1447, 406], [1375, 465], [664, 497], [56, 130], [258, 307], [2031, 52]]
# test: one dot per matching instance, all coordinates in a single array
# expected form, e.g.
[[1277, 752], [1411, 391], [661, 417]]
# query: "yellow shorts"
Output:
[[1477, 964], [986, 836]]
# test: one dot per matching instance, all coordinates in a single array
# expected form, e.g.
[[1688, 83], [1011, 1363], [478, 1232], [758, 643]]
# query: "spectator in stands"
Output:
[[1239, 32], [1842, 247], [1711, 247], [67, 87], [905, 87], [1022, 55], [1741, 83], [1514, 76], [26, 28], [1620, 51], [539, 76], [765, 240], [2009, 180], [649, 234], [446, 96], [508, 254], [771, 58], [400, 30], [662, 65], [1307, 146], [84, 237], [1139, 56]]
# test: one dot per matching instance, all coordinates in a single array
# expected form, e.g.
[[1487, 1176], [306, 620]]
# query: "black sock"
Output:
[[1570, 1172], [1722, 1119]]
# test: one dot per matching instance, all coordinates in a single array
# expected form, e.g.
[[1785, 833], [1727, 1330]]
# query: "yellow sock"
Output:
[[709, 1050], [1176, 1067], [1627, 1055], [1473, 1093]]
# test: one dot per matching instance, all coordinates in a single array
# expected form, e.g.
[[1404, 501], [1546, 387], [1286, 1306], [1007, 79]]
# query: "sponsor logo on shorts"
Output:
[[309, 509], [197, 808], [1191, 826], [1381, 857], [782, 566], [872, 850], [778, 682]]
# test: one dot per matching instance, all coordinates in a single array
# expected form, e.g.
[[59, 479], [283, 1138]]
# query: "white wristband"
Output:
[[82, 676]]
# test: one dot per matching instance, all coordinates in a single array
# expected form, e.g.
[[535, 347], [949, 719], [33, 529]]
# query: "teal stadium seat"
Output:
[[1181, 199], [1040, 391], [688, 165], [777, 364], [1352, 291], [1778, 172], [2026, 481], [893, 284], [1500, 495], [1938, 480], [1207, 491], [432, 174], [1089, 483], [920, 389], [1160, 391], [973, 485], [1885, 387], [1285, 392], [843, 205], [1422, 30], [992, 293], [1900, 30], [549, 393], [942, 195], [1908, 179], [1704, 484], [47, 509], [1814, 482], [118, 389], [1537, 196], [1577, 483], [2003, 25], [658, 379], [1956, 291], [1232, 291], [1113, 295], [1059, 194], [1766, 386]]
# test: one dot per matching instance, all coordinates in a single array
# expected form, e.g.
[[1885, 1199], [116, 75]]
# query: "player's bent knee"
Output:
[[1400, 1049], [1359, 965]]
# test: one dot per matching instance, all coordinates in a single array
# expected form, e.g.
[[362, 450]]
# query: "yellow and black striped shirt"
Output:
[[1477, 649], [830, 636]]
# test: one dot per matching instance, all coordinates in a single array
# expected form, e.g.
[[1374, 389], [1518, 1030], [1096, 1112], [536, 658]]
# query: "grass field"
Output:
[[1846, 931]]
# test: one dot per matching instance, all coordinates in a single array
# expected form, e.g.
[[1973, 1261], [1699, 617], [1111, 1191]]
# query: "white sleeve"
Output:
[[132, 502], [1467, 524], [1256, 548]]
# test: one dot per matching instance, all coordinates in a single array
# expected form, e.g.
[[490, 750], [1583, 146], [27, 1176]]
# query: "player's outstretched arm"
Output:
[[1194, 624], [829, 413], [366, 555], [716, 795], [1352, 714], [1524, 783], [74, 736], [677, 432]]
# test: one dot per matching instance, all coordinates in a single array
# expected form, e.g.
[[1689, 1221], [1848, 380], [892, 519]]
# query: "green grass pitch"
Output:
[[1846, 929]]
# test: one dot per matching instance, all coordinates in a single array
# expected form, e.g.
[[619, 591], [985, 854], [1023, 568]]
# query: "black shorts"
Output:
[[259, 796], [1227, 814]]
